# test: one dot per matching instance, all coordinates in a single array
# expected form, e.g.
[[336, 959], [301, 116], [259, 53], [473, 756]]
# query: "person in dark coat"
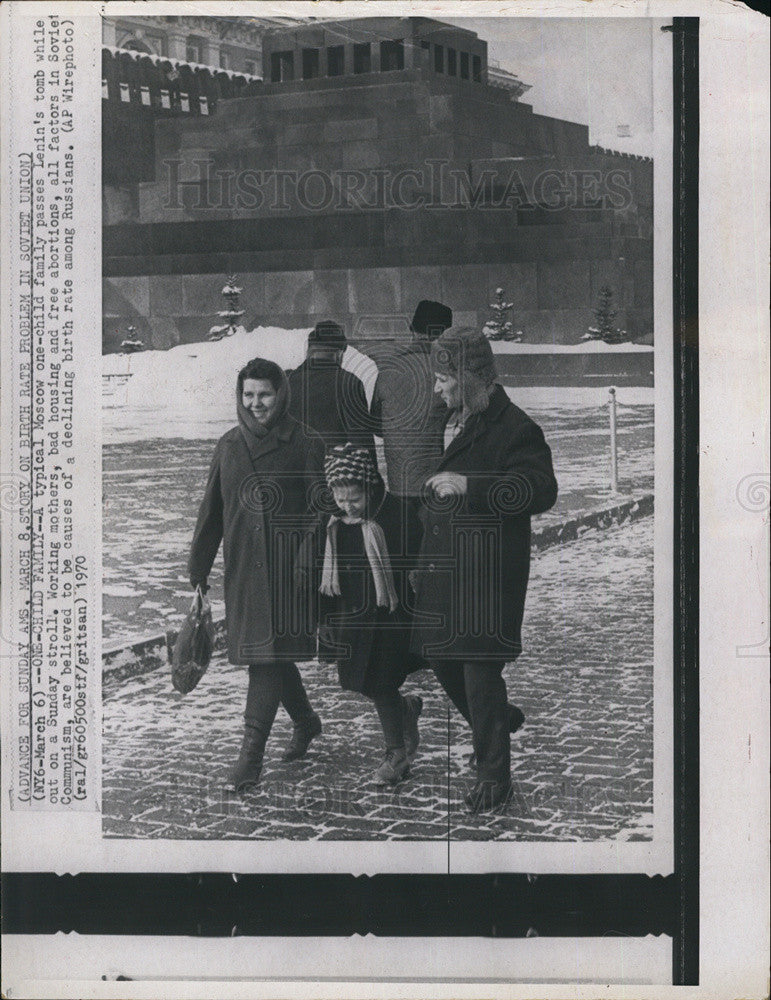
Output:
[[406, 412], [471, 581], [264, 501], [371, 546], [325, 396]]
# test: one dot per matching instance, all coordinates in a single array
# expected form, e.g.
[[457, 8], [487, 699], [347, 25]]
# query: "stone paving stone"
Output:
[[582, 764]]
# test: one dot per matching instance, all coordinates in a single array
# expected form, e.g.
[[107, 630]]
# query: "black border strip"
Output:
[[218, 905], [685, 231], [486, 905]]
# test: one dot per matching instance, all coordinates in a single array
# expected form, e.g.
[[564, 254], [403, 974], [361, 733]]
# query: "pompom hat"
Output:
[[465, 354]]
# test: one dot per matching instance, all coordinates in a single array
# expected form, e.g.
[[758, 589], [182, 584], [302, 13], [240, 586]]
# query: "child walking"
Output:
[[371, 545]]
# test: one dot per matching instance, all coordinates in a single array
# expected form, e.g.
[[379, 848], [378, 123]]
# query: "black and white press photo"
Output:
[[383, 498], [381, 383]]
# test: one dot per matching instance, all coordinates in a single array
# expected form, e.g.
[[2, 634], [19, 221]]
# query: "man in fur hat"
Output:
[[405, 412], [470, 585]]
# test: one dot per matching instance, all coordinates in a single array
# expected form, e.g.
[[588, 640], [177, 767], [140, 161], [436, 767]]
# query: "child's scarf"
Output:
[[377, 555]]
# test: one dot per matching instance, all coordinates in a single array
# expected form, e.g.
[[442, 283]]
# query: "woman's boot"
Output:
[[246, 771]]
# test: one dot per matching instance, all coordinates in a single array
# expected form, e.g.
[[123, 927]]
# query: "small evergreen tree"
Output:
[[604, 327], [500, 327]]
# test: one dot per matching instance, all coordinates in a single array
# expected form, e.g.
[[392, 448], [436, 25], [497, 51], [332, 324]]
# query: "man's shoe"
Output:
[[395, 767], [245, 773], [516, 717], [516, 721], [412, 706], [487, 796], [301, 738]]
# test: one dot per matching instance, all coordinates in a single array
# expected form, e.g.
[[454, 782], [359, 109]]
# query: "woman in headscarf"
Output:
[[263, 501]]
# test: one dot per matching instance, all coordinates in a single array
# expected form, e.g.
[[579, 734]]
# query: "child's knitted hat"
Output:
[[346, 463]]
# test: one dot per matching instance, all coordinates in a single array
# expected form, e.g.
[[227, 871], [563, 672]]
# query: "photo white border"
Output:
[[734, 377]]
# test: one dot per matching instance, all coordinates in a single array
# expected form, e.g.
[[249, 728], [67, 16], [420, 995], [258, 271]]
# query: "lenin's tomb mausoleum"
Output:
[[378, 161]]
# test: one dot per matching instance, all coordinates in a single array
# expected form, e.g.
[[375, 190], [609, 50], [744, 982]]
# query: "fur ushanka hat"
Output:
[[465, 354]]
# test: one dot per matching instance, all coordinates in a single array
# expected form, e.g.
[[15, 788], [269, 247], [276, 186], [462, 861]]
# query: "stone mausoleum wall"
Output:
[[490, 195]]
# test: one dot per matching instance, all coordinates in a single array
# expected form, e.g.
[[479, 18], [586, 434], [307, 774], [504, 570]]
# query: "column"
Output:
[[109, 33], [177, 45]]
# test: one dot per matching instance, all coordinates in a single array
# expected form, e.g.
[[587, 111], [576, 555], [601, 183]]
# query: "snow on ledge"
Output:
[[585, 347]]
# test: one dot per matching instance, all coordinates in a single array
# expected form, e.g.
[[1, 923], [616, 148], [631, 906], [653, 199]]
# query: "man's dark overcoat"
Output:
[[332, 401], [475, 556], [265, 506]]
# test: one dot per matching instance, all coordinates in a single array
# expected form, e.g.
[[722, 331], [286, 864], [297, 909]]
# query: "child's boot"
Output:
[[394, 768]]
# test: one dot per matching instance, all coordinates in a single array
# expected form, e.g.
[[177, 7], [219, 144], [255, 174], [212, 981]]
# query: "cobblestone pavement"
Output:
[[151, 492], [582, 763]]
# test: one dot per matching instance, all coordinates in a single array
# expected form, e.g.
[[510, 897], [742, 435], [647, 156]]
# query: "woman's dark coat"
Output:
[[265, 506], [370, 643], [475, 557]]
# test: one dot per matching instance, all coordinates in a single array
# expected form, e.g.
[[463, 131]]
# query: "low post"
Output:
[[613, 445]]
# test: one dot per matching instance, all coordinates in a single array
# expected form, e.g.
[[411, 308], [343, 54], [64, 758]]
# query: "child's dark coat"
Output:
[[370, 643]]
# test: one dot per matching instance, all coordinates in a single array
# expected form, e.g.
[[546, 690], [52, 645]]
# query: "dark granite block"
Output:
[[420, 283], [464, 286], [490, 225], [193, 329], [434, 147], [129, 297], [360, 155], [442, 109], [165, 295], [402, 228], [553, 326], [564, 285], [330, 293], [643, 284], [356, 130], [302, 134], [289, 292], [335, 258], [163, 331], [202, 293], [375, 291], [328, 156], [119, 204], [474, 318], [395, 122], [518, 281], [605, 272]]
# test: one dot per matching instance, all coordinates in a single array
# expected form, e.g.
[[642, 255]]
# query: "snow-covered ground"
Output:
[[188, 391]]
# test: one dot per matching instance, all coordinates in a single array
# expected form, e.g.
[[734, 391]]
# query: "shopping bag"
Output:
[[193, 648]]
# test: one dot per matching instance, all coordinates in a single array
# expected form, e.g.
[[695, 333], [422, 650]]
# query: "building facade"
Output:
[[380, 161], [228, 43]]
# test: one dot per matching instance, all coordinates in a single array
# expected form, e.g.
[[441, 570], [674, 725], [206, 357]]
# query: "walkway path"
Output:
[[582, 763]]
